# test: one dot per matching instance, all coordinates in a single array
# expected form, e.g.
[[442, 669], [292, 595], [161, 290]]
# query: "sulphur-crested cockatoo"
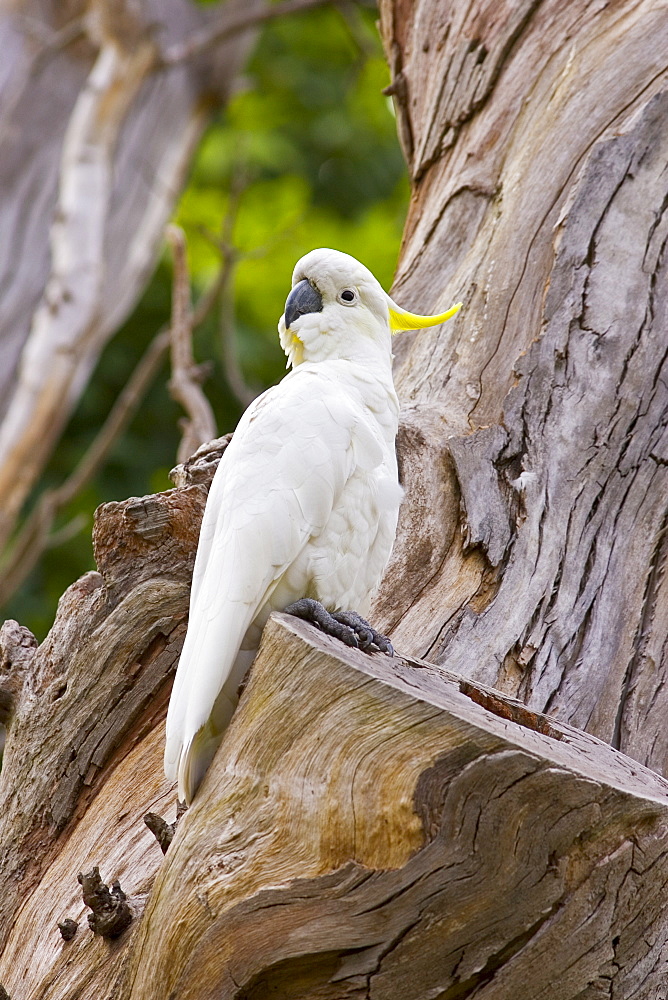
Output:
[[303, 507]]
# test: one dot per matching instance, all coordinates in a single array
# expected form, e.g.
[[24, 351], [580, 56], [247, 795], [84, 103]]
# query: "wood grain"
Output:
[[382, 828], [83, 758], [368, 829], [539, 197]]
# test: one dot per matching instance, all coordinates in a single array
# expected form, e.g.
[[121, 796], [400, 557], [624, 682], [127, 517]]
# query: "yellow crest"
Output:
[[401, 319]]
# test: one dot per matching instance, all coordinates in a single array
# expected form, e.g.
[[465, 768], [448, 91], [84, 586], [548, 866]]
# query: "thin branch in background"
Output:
[[230, 258], [34, 537], [52, 41], [352, 18], [229, 25], [231, 255], [185, 384], [243, 392]]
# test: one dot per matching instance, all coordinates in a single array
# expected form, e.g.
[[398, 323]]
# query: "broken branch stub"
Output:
[[68, 928], [110, 914], [369, 823]]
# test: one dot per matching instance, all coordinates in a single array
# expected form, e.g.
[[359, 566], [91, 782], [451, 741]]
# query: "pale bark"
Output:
[[383, 828], [371, 826], [97, 138], [537, 138]]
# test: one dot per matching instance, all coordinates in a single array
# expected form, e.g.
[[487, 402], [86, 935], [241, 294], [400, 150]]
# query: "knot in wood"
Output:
[[111, 913], [68, 928], [161, 830]]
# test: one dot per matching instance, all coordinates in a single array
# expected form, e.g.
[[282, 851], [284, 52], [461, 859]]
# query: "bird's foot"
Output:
[[369, 639], [348, 626]]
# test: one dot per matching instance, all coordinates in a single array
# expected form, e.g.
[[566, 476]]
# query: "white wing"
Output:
[[274, 489]]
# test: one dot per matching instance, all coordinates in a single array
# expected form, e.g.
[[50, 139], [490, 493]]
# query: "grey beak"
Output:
[[303, 298]]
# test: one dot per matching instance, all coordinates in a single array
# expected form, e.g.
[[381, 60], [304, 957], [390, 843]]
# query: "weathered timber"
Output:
[[83, 760], [380, 828], [372, 827], [540, 197]]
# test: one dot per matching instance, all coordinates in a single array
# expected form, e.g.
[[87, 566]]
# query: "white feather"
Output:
[[304, 503]]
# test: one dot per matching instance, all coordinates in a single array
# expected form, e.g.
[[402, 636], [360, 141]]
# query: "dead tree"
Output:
[[486, 814]]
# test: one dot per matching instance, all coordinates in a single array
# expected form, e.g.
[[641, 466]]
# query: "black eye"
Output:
[[348, 295]]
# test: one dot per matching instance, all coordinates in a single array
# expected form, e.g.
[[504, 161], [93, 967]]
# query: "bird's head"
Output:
[[337, 309]]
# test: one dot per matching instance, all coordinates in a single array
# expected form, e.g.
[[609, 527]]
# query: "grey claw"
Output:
[[347, 626]]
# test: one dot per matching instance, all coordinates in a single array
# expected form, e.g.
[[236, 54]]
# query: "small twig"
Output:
[[184, 385], [68, 531], [243, 392], [353, 21], [111, 913], [208, 299], [228, 26], [231, 256]]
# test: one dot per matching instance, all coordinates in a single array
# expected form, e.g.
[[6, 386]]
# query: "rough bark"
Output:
[[371, 826], [82, 760], [376, 827], [540, 196], [98, 134]]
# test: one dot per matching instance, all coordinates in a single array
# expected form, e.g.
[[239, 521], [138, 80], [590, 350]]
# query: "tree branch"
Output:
[[34, 537], [61, 334], [243, 392], [228, 26], [231, 256], [185, 384]]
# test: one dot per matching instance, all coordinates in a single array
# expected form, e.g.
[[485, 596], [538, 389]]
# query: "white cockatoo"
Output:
[[302, 511]]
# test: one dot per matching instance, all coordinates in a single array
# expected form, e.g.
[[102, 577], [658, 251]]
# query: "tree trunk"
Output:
[[541, 197], [385, 828], [102, 128]]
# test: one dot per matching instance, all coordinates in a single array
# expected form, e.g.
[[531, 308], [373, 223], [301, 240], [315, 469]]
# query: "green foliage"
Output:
[[305, 155]]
